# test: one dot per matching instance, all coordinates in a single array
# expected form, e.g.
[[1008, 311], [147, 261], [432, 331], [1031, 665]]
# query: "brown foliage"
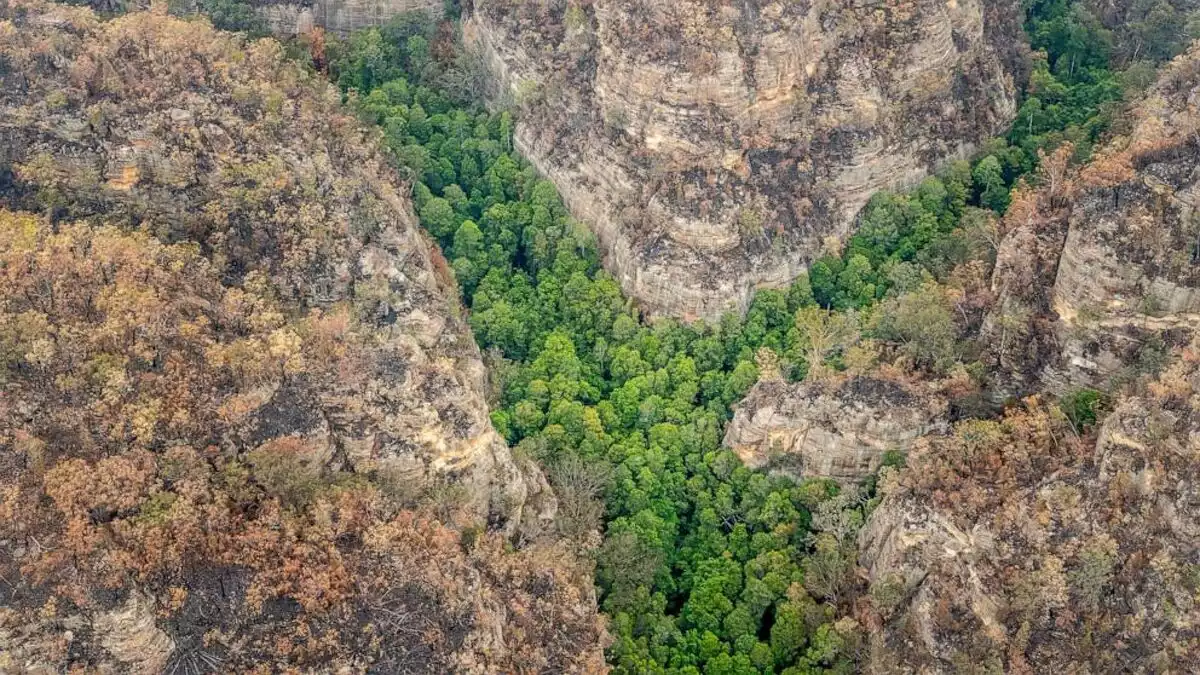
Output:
[[199, 136], [1029, 442], [1057, 536], [197, 307], [121, 488], [1108, 169]]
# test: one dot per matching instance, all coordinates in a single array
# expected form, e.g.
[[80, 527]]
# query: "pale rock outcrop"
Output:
[[128, 638], [902, 546], [830, 429], [130, 635], [1129, 272], [339, 16], [714, 147]]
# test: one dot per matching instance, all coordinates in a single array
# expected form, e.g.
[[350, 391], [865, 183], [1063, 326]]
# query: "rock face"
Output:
[[269, 173], [1117, 245], [1022, 546], [339, 16], [1130, 266], [835, 430], [714, 146], [130, 634], [241, 419], [1013, 547]]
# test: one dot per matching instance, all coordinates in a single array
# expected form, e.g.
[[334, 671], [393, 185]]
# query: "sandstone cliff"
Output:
[[1022, 545], [1019, 547], [1098, 272], [714, 146], [1128, 271], [238, 401], [339, 16], [840, 429]]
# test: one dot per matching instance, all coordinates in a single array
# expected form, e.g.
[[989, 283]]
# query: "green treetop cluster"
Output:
[[705, 563]]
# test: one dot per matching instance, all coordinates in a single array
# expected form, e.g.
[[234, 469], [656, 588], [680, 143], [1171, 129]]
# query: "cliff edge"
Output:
[[714, 147]]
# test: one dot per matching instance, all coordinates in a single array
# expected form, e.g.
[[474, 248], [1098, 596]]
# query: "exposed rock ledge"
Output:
[[835, 430], [1098, 274], [338, 16]]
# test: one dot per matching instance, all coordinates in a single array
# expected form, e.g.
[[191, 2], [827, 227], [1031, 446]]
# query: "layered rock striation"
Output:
[[714, 147], [339, 16], [1129, 272], [1031, 544], [1097, 276], [830, 429]]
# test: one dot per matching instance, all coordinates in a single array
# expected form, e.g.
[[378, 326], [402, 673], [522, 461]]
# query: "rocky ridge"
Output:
[[267, 172], [715, 148], [1032, 543], [1097, 272], [1019, 546], [241, 419], [830, 429]]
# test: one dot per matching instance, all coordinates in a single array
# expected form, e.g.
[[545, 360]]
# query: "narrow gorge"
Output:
[[626, 336]]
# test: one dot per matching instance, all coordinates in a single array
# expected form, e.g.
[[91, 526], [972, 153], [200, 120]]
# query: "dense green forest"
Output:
[[703, 560], [706, 565]]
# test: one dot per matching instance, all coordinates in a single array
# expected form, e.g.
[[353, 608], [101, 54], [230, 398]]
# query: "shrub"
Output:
[[1083, 408]]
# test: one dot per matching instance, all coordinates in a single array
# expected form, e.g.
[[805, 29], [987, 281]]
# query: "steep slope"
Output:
[[1097, 272], [1019, 546], [1033, 544], [161, 126], [714, 146], [231, 366]]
